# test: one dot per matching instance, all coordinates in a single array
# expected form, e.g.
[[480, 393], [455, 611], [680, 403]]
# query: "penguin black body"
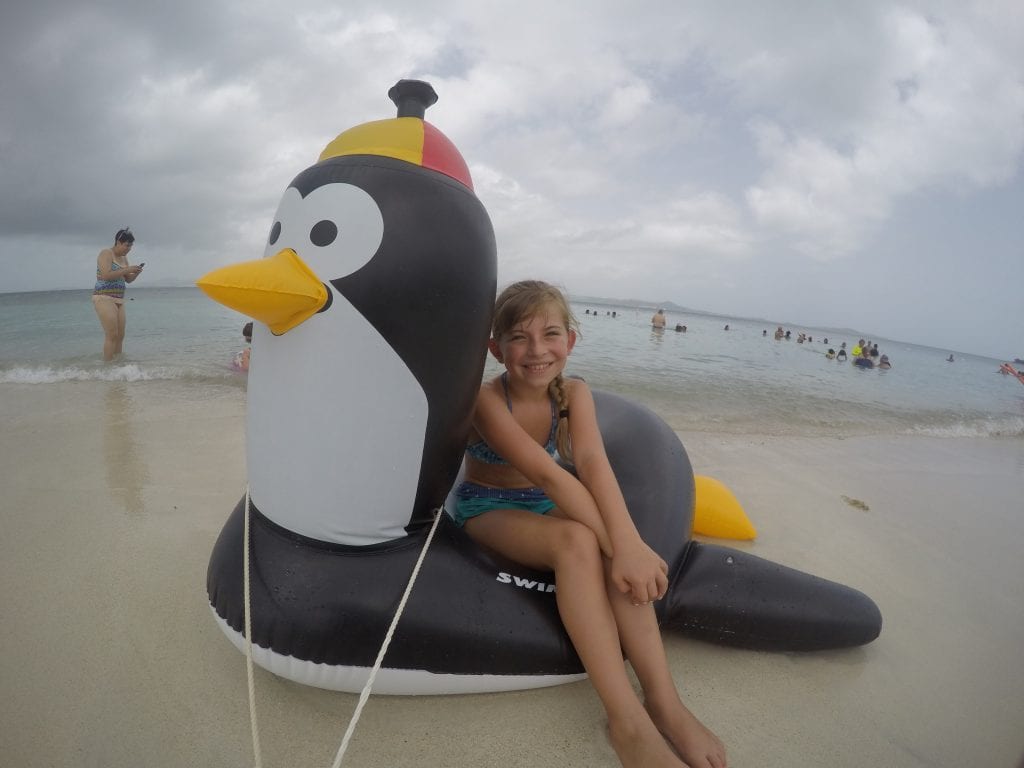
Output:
[[478, 622]]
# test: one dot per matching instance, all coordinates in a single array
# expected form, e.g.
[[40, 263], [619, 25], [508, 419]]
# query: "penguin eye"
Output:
[[323, 233], [335, 229]]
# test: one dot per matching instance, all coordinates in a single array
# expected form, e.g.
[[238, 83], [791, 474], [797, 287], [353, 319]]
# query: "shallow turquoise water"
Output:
[[736, 381]]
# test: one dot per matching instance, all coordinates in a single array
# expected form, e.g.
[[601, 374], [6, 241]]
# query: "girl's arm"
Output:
[[508, 439], [636, 567]]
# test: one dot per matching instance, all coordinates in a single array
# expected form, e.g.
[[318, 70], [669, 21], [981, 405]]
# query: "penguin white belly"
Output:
[[336, 425]]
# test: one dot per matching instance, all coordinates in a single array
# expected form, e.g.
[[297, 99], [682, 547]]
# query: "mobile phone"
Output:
[[142, 263]]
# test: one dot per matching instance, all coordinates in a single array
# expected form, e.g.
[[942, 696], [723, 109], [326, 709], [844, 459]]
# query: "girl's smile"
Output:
[[535, 349]]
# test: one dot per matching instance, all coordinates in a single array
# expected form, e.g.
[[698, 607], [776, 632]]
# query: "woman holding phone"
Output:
[[113, 271]]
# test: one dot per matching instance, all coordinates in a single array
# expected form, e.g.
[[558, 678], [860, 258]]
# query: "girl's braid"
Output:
[[558, 392]]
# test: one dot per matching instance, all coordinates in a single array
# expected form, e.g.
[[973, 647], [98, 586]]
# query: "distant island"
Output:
[[670, 306], [636, 304]]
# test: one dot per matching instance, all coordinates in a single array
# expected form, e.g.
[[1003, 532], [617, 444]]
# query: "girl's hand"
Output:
[[638, 571]]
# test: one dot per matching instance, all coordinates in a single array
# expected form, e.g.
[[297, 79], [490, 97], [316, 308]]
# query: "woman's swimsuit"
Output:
[[112, 288], [473, 499]]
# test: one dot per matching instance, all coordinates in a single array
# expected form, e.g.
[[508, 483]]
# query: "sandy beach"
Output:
[[113, 494]]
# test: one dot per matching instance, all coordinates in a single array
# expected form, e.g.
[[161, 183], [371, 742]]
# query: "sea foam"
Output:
[[45, 374], [1008, 427]]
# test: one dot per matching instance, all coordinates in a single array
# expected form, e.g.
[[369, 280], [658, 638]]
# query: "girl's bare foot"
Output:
[[639, 744], [695, 743]]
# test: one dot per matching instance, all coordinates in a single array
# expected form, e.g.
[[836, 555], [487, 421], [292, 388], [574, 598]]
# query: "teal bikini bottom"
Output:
[[473, 500]]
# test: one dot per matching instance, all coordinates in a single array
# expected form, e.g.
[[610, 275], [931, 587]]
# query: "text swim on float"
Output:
[[519, 581]]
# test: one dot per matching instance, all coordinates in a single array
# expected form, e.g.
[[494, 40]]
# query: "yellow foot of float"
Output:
[[717, 513]]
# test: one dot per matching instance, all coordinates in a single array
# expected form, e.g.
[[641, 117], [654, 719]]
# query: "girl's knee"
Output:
[[577, 543]]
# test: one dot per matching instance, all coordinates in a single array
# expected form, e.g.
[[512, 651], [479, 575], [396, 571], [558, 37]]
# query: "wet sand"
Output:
[[113, 494]]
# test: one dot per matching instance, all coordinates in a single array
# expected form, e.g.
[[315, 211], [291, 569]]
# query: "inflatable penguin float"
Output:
[[373, 304]]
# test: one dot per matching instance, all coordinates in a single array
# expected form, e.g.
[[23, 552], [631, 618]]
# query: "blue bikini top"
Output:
[[481, 451]]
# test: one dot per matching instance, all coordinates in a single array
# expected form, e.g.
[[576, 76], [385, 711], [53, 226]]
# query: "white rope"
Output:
[[257, 757], [365, 694]]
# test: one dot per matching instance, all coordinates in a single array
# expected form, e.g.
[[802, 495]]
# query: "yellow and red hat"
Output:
[[407, 137]]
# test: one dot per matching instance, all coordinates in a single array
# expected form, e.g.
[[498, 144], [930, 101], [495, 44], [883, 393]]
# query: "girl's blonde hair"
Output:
[[521, 301]]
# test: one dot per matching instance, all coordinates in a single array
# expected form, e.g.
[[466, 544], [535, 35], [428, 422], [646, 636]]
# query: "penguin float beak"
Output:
[[280, 291]]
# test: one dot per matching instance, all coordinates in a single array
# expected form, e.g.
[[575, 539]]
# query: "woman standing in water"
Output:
[[112, 272]]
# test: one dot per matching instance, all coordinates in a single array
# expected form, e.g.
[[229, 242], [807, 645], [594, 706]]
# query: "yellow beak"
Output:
[[280, 291]]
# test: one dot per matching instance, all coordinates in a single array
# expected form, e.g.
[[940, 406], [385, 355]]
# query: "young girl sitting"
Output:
[[518, 501]]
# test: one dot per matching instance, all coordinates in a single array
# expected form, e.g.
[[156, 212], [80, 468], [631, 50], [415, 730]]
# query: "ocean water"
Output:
[[707, 379]]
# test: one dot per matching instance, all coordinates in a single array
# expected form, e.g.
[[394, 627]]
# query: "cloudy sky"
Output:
[[841, 164]]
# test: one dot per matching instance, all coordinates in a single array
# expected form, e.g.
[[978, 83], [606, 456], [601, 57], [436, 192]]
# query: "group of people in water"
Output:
[[864, 355], [659, 321]]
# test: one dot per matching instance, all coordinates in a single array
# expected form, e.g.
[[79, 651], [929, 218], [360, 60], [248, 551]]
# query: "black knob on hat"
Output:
[[412, 97]]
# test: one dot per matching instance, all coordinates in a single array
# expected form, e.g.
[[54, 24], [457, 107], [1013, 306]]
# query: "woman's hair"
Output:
[[124, 236], [524, 300]]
